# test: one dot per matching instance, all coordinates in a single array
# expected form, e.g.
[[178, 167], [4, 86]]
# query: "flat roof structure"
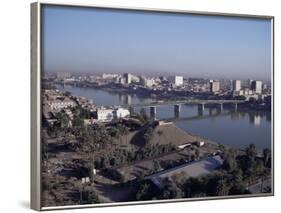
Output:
[[195, 169]]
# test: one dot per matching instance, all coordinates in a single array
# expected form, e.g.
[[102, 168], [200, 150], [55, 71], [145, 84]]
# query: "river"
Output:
[[235, 129]]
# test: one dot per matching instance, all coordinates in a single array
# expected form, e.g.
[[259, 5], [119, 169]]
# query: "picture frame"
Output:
[[38, 63]]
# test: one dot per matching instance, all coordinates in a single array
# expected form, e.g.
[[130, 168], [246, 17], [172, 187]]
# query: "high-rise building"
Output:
[[128, 78], [135, 79], [264, 86], [231, 85], [178, 80], [236, 85], [256, 86], [121, 80], [147, 82], [250, 83], [214, 86]]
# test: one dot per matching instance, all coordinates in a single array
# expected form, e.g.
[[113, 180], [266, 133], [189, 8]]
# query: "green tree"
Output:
[[156, 166], [171, 190], [238, 188], [148, 135], [222, 148], [131, 110], [238, 175], [251, 152], [123, 130], [266, 156], [144, 191], [77, 122], [222, 188], [197, 153], [229, 163], [64, 120], [259, 168], [143, 115]]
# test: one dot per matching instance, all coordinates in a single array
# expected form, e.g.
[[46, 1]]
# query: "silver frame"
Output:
[[36, 36]]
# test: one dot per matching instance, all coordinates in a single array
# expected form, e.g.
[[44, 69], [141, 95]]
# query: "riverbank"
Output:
[[234, 129]]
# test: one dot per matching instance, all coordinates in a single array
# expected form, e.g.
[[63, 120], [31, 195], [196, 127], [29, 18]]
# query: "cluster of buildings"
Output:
[[125, 79], [252, 89], [128, 78], [55, 101]]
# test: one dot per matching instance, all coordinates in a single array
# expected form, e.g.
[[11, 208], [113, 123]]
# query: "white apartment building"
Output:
[[127, 77], [147, 82], [256, 86], [236, 85], [214, 86], [177, 80]]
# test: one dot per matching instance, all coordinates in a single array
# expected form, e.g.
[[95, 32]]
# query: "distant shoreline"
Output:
[[158, 96]]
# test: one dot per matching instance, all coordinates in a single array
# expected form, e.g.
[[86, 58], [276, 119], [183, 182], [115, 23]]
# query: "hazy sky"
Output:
[[87, 40]]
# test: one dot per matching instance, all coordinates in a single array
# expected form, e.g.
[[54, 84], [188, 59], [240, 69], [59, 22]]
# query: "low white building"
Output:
[[109, 76], [105, 114], [238, 92], [121, 113]]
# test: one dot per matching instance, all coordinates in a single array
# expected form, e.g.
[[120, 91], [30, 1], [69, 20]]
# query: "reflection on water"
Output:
[[105, 98], [226, 125], [125, 99], [255, 119]]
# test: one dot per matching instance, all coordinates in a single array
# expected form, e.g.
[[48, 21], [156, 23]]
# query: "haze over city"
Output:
[[83, 40]]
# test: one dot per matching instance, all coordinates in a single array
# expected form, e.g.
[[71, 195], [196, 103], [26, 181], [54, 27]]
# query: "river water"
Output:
[[236, 129]]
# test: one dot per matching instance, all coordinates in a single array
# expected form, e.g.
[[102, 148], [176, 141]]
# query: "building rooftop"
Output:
[[195, 169]]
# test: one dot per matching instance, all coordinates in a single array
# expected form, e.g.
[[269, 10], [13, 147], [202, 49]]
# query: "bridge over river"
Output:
[[176, 102], [177, 105], [196, 117]]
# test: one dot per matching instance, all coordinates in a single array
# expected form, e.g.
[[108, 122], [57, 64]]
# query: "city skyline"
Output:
[[87, 40]]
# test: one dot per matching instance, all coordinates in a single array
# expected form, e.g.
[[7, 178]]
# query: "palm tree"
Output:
[[126, 132], [64, 120], [222, 189], [251, 152], [266, 156], [123, 131], [45, 147], [197, 154]]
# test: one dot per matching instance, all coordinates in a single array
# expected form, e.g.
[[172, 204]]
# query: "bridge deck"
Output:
[[161, 103]]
